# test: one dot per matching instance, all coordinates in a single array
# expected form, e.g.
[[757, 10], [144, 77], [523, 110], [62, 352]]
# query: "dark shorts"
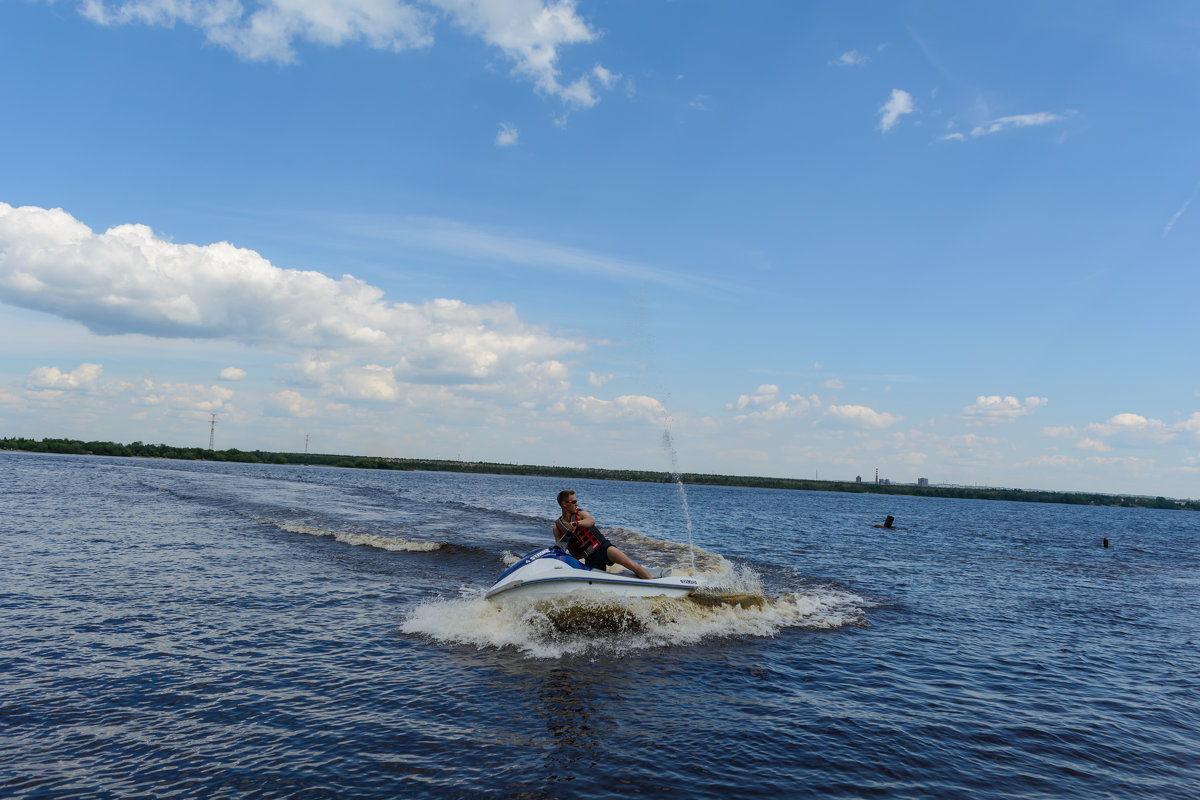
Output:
[[599, 557]]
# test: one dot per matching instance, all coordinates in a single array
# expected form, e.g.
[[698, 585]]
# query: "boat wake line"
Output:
[[360, 539]]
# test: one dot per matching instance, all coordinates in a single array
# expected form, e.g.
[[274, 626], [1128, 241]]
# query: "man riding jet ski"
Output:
[[549, 571]]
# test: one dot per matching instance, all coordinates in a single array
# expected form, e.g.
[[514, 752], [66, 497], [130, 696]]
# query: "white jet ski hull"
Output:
[[549, 572]]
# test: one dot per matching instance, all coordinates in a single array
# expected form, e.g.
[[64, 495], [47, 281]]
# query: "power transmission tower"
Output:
[[212, 431]]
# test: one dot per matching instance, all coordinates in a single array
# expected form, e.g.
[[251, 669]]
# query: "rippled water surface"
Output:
[[199, 630]]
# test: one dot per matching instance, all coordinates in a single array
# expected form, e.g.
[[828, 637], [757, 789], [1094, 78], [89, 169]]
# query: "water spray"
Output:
[[669, 445]]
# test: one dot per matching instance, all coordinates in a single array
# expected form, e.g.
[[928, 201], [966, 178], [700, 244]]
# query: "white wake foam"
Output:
[[377, 541], [580, 624]]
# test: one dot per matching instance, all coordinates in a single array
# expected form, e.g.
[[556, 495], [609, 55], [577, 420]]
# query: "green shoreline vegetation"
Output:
[[140, 450]]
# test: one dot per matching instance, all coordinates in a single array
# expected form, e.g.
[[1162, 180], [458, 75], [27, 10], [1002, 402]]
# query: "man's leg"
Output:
[[617, 557]]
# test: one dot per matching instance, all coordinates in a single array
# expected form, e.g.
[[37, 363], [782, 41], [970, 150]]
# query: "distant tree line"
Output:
[[136, 449], [141, 450]]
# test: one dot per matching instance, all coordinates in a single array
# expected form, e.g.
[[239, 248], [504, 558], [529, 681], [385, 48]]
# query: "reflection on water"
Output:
[[568, 705]]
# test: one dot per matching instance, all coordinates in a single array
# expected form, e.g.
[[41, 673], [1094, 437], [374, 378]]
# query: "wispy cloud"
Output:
[[851, 58], [467, 241], [626, 408], [290, 403], [1002, 124], [1016, 121], [507, 135], [1175, 218], [934, 61], [898, 104]]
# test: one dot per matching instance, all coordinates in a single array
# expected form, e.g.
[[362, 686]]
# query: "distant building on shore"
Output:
[[923, 482]]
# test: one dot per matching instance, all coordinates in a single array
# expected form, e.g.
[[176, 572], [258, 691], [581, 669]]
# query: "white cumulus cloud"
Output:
[[764, 405], [761, 396], [268, 30], [233, 374], [530, 33], [1133, 430], [1191, 424], [82, 377], [1127, 430], [862, 417], [127, 280], [994, 408], [898, 104]]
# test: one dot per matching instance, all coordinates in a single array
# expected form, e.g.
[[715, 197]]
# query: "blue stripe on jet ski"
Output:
[[545, 552]]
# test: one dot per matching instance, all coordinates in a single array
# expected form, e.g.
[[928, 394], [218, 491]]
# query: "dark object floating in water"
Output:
[[887, 523]]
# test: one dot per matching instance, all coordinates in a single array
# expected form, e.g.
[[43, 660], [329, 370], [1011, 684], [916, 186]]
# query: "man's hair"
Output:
[[564, 494]]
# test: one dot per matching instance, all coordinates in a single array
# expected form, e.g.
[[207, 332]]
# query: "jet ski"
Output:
[[552, 572]]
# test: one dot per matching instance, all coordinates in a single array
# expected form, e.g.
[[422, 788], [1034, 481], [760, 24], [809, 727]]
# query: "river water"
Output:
[[197, 630]]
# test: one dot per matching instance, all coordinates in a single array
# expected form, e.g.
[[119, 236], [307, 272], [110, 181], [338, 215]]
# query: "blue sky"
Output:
[[946, 240]]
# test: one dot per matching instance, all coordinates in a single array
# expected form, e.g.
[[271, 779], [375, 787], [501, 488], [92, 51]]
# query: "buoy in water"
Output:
[[1106, 541]]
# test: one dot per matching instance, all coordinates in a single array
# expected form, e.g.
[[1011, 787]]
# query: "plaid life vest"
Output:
[[581, 542]]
